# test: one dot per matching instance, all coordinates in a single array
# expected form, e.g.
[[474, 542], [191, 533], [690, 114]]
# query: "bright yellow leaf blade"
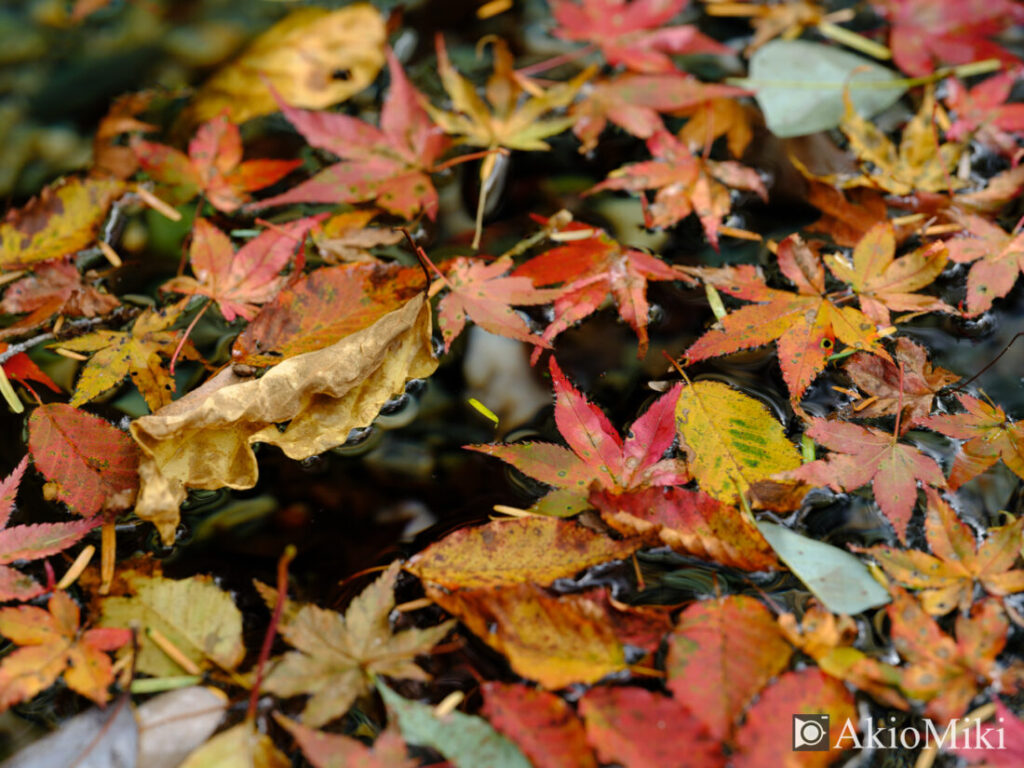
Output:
[[731, 439]]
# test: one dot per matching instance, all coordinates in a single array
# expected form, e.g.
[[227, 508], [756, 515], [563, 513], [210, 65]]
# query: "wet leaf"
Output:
[[1012, 728], [21, 368], [337, 657], [239, 747], [996, 258], [947, 577], [504, 552], [731, 439], [313, 58], [333, 750], [845, 215], [556, 641], [62, 220], [983, 114], [863, 455], [51, 645], [722, 116], [92, 465], [204, 440], [721, 654], [465, 740], [839, 580], [345, 237], [636, 728], [541, 724], [29, 542], [194, 614]]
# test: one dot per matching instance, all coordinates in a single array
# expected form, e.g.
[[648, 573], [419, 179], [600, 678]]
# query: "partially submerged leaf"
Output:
[[204, 440]]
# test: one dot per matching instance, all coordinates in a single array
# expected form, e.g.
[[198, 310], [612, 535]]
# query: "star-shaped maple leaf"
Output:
[[954, 32], [633, 34], [29, 542], [134, 353], [389, 165], [988, 434], [883, 282], [480, 291], [806, 323], [684, 184], [238, 282], [213, 167], [597, 456], [946, 578], [338, 656], [863, 455], [982, 112], [52, 645], [996, 259], [591, 268]]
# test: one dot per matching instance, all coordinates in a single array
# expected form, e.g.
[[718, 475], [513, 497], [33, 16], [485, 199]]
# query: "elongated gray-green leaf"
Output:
[[799, 85], [465, 740], [839, 580]]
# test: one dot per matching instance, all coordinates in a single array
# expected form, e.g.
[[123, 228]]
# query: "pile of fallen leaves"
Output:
[[327, 316]]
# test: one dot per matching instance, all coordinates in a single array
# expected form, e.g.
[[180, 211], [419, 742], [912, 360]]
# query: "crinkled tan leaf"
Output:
[[204, 440]]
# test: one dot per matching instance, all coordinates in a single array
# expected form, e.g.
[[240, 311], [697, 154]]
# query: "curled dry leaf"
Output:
[[312, 57], [204, 440]]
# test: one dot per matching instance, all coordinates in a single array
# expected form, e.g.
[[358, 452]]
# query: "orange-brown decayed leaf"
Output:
[[54, 287], [555, 641], [503, 552], [721, 654], [335, 750], [846, 216]]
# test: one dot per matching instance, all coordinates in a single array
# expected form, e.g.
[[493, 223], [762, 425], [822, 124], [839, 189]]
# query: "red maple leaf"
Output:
[[863, 455], [22, 369], [389, 165], [806, 323], [632, 33], [983, 112], [213, 167], [29, 542], [591, 269], [685, 184], [597, 456], [954, 32], [480, 291], [997, 256], [239, 281]]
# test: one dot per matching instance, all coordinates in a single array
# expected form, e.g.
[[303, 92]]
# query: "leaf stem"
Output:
[[557, 61], [186, 334], [268, 639]]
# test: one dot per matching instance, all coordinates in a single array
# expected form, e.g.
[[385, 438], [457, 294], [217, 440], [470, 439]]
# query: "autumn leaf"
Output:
[[910, 379], [597, 456], [636, 728], [766, 739], [787, 20], [920, 164], [633, 34], [21, 368], [882, 282], [54, 287], [335, 750], [29, 542], [863, 455], [555, 641], [313, 57], [51, 645], [633, 102], [481, 291], [135, 353], [541, 724], [690, 522], [62, 220], [845, 215], [242, 746], [720, 116], [212, 168], [239, 281], [389, 165], [996, 258], [345, 237], [947, 673], [110, 157], [337, 657], [194, 615], [684, 184], [91, 465], [720, 655], [982, 113], [1012, 728], [988, 436], [590, 269], [806, 323], [946, 578], [925, 33], [502, 552], [731, 440]]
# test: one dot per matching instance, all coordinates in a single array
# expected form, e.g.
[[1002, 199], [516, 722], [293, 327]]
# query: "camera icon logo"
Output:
[[810, 733]]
